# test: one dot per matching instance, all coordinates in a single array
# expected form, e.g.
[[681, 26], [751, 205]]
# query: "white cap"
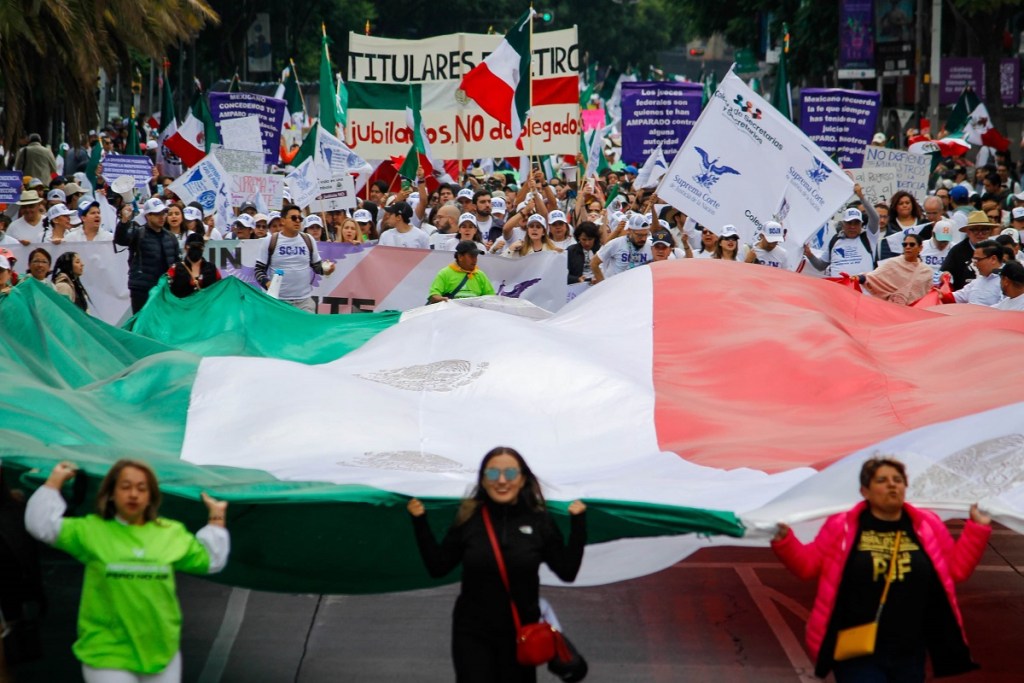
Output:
[[878, 139], [942, 231], [729, 231], [468, 218], [86, 203], [556, 217], [498, 205], [362, 216], [56, 195], [413, 197], [1014, 234], [663, 223], [536, 218], [773, 231], [152, 205], [273, 216], [192, 214], [58, 210], [639, 221], [465, 193], [260, 217], [151, 144], [76, 220], [311, 221], [1017, 214], [4, 263], [851, 215], [245, 220]]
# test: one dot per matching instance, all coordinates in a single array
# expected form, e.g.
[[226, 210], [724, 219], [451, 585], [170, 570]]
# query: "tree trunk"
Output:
[[991, 27]]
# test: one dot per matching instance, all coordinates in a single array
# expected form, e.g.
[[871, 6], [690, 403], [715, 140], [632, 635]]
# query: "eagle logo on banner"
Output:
[[711, 171], [820, 172]]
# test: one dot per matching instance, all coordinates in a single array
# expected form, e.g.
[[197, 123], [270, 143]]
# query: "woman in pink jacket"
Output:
[[850, 557]]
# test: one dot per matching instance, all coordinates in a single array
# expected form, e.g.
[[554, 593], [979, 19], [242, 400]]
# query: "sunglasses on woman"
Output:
[[495, 473]]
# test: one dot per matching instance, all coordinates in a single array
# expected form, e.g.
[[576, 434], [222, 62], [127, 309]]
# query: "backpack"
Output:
[[863, 240]]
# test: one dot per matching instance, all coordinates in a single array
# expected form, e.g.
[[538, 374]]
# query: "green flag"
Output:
[[308, 148], [342, 102], [781, 97], [132, 146], [292, 94], [94, 162], [710, 82], [201, 110], [328, 95], [965, 104]]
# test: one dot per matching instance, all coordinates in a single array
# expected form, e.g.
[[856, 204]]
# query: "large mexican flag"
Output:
[[687, 397]]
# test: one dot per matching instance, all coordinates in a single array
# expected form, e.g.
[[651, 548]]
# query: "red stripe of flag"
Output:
[[560, 90]]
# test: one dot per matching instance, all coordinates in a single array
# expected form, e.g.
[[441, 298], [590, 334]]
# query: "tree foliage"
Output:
[[51, 52]]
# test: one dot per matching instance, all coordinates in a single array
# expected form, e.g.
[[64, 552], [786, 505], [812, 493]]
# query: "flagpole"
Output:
[[529, 116], [298, 86]]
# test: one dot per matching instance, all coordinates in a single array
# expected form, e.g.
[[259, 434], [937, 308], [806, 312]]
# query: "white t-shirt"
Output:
[[78, 235], [1008, 304], [620, 255], [291, 256], [21, 229], [564, 244], [440, 240], [933, 257], [413, 239], [849, 256], [776, 258]]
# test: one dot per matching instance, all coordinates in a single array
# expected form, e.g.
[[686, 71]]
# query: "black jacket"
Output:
[[150, 253], [574, 258], [958, 264], [179, 278], [527, 538]]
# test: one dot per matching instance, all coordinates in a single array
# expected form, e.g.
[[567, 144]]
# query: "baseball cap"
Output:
[[773, 231], [958, 193], [1013, 233], [362, 216], [312, 220], [72, 188], [151, 144], [246, 206], [260, 217], [638, 221], [401, 209], [465, 193], [468, 218], [245, 220], [1017, 214], [467, 247], [536, 218], [729, 231], [1019, 196], [58, 210], [4, 263], [556, 217], [662, 236], [191, 213], [498, 205], [56, 196], [942, 231], [273, 215], [852, 215], [88, 201], [878, 139], [152, 205], [631, 170]]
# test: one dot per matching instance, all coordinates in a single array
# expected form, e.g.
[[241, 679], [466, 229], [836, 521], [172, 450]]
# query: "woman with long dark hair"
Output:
[[483, 634], [67, 279]]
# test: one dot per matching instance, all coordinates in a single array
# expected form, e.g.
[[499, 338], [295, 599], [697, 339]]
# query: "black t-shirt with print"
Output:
[[914, 585]]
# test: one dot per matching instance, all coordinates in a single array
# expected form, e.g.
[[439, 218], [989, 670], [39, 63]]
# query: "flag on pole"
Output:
[[169, 164], [419, 153], [329, 117], [970, 121], [501, 83], [196, 134], [710, 83], [132, 146], [652, 171], [292, 94], [342, 101], [782, 98]]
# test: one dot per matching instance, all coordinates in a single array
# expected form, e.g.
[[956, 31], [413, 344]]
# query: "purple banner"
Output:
[[841, 122], [856, 37], [10, 187], [958, 72], [659, 113], [269, 110]]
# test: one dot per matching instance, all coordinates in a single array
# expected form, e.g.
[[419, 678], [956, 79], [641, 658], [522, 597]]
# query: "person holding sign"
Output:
[[850, 251], [886, 553]]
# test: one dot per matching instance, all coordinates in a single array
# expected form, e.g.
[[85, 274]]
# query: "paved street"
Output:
[[723, 615]]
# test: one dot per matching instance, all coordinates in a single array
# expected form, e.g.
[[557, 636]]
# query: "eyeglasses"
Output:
[[981, 258], [39, 262], [293, 217], [729, 239], [910, 244], [495, 473]]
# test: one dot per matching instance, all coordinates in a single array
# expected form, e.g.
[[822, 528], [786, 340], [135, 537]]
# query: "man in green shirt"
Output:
[[462, 279]]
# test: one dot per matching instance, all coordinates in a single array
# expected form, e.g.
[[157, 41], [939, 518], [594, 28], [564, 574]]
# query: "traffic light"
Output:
[[547, 16]]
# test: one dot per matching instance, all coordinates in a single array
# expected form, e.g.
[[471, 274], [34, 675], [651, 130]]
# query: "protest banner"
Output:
[[138, 167], [242, 133], [202, 183], [239, 161], [593, 119], [856, 39], [912, 169], [841, 122], [382, 70], [10, 186], [745, 164], [336, 194], [304, 183], [657, 113], [269, 110], [245, 187], [878, 184], [957, 73]]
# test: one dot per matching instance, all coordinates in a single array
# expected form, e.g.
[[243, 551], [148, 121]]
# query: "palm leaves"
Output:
[[51, 52]]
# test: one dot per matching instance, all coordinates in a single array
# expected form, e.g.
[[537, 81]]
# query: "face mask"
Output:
[[194, 252]]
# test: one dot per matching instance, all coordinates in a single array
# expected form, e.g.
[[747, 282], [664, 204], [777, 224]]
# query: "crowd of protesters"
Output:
[[896, 248]]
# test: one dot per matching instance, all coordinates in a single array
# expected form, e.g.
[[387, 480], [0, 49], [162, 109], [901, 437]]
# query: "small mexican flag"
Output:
[[501, 83], [970, 121]]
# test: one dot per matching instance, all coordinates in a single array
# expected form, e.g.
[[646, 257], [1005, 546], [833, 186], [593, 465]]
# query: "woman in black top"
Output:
[[483, 635], [588, 242], [192, 273]]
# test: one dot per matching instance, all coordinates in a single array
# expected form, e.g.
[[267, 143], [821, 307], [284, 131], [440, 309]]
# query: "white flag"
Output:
[[304, 183], [743, 161], [652, 171]]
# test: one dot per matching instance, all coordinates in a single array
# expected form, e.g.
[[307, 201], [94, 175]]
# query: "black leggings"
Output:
[[482, 657], [139, 299]]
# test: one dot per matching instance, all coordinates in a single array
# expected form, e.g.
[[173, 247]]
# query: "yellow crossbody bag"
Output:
[[859, 641]]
